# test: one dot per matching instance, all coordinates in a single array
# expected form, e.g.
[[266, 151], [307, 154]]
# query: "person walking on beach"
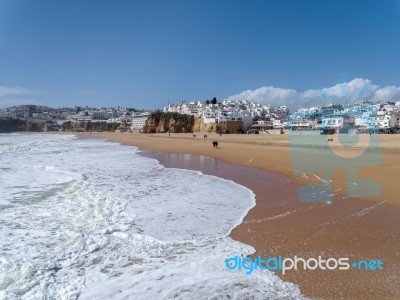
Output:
[[216, 144], [213, 143]]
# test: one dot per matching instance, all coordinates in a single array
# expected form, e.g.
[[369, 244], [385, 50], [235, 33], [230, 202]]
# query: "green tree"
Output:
[[214, 101]]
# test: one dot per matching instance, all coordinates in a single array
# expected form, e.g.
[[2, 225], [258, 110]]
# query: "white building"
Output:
[[138, 121], [100, 115], [362, 120], [382, 121], [79, 117], [336, 122], [208, 116], [332, 122], [7, 115], [277, 124], [227, 110]]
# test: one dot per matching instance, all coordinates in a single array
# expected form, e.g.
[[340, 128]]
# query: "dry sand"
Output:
[[367, 228]]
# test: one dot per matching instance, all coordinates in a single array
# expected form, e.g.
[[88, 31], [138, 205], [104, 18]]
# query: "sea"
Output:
[[84, 218]]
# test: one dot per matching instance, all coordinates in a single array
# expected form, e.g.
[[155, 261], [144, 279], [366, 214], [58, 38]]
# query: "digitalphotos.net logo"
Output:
[[309, 159], [248, 265]]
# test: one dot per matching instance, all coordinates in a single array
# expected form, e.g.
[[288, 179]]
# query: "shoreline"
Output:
[[254, 151], [351, 228]]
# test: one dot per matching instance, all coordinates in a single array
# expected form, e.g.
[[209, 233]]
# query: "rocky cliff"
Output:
[[12, 125], [16, 125], [89, 126], [200, 126], [160, 122]]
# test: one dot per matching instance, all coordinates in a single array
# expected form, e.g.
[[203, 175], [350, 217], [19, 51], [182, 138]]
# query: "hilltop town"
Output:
[[210, 115]]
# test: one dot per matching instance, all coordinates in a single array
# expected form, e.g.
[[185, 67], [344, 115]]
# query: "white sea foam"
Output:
[[91, 219]]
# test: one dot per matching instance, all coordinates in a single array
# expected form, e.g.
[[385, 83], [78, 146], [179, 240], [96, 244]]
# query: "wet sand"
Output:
[[356, 228]]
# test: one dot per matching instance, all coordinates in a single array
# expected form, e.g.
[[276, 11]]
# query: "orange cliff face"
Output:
[[200, 126], [176, 123]]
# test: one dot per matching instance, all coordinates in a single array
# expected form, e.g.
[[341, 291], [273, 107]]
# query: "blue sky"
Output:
[[147, 53]]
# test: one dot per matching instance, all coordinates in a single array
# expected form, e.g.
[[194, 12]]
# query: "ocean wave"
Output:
[[94, 220]]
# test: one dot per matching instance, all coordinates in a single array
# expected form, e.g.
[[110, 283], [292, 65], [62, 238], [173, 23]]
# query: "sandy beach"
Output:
[[358, 228]]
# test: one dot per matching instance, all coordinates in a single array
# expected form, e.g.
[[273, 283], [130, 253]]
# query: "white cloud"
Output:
[[356, 89], [16, 91], [268, 94], [388, 92], [13, 96]]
